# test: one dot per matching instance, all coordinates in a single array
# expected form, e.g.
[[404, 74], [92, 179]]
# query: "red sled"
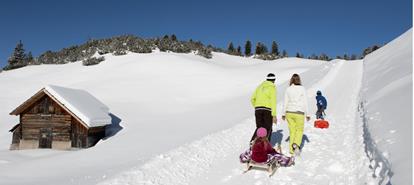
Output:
[[319, 123]]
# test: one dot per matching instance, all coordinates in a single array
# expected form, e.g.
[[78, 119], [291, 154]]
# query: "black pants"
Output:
[[320, 112], [263, 119]]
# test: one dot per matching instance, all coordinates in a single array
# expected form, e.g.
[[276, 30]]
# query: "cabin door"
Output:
[[45, 139]]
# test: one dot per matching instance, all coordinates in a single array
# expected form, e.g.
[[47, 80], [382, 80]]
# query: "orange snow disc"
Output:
[[321, 124]]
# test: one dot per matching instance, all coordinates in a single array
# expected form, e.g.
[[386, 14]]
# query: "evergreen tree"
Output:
[[18, 57], [338, 57], [173, 37], [29, 58], [248, 48], [239, 51], [353, 57], [166, 37], [297, 55], [275, 48], [260, 48], [323, 56], [284, 53], [346, 57], [230, 49]]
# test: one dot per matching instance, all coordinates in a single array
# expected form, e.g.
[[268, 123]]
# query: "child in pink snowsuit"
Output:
[[262, 151]]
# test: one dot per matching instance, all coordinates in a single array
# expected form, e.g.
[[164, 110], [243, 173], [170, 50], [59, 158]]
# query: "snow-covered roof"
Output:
[[81, 103]]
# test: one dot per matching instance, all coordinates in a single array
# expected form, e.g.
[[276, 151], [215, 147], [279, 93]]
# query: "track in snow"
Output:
[[332, 156]]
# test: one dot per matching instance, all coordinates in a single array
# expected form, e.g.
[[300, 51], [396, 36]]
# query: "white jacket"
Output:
[[295, 100]]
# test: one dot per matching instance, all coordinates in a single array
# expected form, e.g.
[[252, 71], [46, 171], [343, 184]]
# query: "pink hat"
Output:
[[261, 132]]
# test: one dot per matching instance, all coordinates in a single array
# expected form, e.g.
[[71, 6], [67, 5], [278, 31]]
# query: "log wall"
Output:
[[45, 122]]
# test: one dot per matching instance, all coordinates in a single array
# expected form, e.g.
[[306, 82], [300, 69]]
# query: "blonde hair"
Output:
[[295, 80]]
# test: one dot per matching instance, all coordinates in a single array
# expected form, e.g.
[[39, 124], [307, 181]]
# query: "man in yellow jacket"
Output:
[[264, 102]]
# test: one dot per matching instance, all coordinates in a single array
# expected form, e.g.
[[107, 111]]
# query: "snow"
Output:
[[387, 103], [89, 109], [184, 119]]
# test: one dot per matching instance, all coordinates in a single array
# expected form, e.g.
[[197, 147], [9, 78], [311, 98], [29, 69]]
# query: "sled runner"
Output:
[[320, 123], [270, 166]]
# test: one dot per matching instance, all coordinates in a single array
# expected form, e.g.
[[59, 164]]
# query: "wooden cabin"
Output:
[[59, 118]]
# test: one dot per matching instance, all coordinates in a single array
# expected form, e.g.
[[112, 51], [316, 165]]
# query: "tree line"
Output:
[[121, 45], [261, 52]]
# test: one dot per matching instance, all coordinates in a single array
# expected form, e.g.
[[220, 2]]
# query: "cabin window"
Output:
[[51, 109], [36, 109]]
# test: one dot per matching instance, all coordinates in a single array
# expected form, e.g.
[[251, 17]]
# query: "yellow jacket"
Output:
[[265, 96]]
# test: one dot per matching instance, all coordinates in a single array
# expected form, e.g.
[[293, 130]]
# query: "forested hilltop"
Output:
[[121, 45]]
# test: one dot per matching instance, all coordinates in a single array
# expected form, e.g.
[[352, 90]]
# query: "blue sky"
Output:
[[307, 26]]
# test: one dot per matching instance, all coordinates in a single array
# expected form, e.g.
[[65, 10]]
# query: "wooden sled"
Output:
[[271, 167]]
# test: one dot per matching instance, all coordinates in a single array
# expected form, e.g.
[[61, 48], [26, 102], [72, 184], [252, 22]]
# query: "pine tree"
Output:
[[275, 48], [346, 57], [173, 37], [248, 48], [353, 57], [297, 55], [29, 58], [18, 57], [323, 56], [260, 49], [230, 49], [239, 51], [284, 53]]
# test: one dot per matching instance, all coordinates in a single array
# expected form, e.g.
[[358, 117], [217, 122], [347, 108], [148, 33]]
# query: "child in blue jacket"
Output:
[[321, 105]]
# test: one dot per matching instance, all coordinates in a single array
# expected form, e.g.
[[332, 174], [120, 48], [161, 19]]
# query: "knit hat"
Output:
[[261, 132], [271, 76], [319, 93]]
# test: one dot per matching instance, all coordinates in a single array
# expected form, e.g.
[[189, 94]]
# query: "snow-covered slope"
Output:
[[158, 101], [332, 156], [387, 103]]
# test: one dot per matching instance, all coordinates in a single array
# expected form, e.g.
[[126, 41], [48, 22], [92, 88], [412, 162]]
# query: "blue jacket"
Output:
[[321, 101]]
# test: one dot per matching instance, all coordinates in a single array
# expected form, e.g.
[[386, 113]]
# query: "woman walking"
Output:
[[295, 109]]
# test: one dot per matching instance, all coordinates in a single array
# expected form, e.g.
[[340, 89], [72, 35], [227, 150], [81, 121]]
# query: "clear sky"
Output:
[[307, 26]]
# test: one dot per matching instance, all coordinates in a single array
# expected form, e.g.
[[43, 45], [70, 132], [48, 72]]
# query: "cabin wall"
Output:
[[45, 125], [17, 134], [79, 135], [95, 134]]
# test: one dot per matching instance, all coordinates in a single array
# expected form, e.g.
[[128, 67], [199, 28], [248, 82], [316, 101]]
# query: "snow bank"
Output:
[[89, 109], [386, 110]]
